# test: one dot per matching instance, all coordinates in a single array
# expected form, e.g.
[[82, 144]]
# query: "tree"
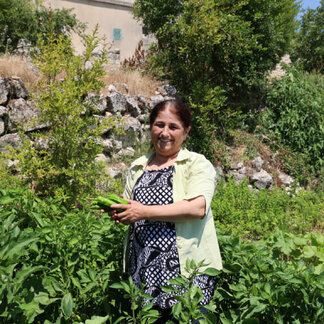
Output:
[[216, 52], [65, 165], [24, 19], [224, 43], [308, 47]]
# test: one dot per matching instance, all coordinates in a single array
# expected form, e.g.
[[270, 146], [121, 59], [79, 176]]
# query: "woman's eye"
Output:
[[173, 127]]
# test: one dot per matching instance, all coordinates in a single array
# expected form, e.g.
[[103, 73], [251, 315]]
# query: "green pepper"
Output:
[[104, 203]]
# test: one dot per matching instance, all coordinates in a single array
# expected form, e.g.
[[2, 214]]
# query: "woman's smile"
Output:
[[168, 133]]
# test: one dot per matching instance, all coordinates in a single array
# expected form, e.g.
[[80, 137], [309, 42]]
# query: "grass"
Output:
[[17, 66], [136, 82]]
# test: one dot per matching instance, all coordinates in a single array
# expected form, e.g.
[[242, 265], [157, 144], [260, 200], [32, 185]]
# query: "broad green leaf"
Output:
[[97, 320], [212, 272], [67, 305]]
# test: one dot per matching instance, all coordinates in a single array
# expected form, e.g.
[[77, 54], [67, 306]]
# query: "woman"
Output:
[[169, 192]]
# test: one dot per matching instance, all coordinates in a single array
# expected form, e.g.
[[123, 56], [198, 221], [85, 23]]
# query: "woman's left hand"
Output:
[[133, 212]]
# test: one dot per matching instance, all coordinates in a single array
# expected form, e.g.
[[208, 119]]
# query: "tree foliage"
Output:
[[216, 53], [25, 19], [309, 40], [61, 162], [217, 42]]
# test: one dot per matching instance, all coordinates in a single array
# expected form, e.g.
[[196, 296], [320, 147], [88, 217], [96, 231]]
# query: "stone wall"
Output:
[[16, 109]]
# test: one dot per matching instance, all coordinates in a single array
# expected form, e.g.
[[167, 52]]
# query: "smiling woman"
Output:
[[169, 192]]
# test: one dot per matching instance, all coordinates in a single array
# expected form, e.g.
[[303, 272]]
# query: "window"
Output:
[[117, 34]]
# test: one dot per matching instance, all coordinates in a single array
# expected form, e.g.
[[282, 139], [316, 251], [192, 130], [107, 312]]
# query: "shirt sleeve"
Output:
[[127, 189], [201, 180]]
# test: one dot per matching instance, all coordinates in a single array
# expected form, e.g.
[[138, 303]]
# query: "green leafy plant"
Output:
[[308, 48], [64, 165], [141, 309], [240, 212], [188, 295], [27, 19], [295, 113], [56, 264], [271, 281]]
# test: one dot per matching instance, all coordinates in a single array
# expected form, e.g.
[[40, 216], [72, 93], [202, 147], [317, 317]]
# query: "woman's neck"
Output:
[[160, 161]]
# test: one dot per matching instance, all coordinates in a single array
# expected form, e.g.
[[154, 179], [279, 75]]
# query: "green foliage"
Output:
[[56, 264], [278, 280], [23, 19], [308, 46], [65, 166], [295, 115], [141, 309], [59, 265], [240, 212], [216, 54], [188, 295]]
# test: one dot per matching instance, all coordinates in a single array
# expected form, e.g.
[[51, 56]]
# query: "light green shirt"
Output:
[[193, 176]]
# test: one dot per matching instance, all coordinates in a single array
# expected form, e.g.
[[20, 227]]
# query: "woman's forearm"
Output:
[[181, 211]]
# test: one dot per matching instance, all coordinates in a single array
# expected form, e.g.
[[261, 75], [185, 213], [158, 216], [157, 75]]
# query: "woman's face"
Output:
[[168, 133]]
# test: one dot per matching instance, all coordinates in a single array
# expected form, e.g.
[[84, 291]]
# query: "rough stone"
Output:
[[3, 111], [131, 132], [219, 173], [102, 158], [262, 179], [128, 151], [111, 88], [170, 90], [116, 103], [114, 172], [237, 176], [98, 102], [107, 145], [257, 163], [132, 106], [236, 165], [18, 89], [2, 126], [12, 140], [21, 112], [285, 179], [154, 100], [4, 90]]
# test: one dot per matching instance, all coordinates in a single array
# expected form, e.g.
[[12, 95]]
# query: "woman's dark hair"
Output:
[[181, 110]]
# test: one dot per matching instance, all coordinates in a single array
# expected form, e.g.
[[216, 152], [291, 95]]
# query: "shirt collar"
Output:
[[143, 160]]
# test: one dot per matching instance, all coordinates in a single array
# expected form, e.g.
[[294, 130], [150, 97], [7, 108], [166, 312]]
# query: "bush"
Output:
[[308, 45], [60, 265], [216, 54], [23, 19], [55, 264], [295, 115], [240, 212], [277, 280], [65, 165]]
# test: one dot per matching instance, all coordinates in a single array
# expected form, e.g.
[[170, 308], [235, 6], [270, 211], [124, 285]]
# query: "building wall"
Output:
[[114, 19]]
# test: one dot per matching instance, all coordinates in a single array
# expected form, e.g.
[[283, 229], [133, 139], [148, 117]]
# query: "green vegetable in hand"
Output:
[[105, 203]]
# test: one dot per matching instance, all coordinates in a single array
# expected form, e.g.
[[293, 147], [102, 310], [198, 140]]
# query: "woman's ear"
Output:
[[187, 131]]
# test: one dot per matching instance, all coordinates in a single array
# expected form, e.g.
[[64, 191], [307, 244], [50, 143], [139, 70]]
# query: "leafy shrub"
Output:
[[23, 19], [240, 212], [56, 264], [295, 115], [60, 265], [308, 45], [65, 166], [277, 280]]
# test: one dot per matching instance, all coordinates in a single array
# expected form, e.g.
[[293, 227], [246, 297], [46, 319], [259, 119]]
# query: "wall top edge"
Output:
[[123, 3]]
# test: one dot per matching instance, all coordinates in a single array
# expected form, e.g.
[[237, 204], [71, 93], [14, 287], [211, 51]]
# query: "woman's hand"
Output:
[[132, 212]]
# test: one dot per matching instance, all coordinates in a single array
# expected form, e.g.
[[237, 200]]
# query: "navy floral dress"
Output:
[[153, 254]]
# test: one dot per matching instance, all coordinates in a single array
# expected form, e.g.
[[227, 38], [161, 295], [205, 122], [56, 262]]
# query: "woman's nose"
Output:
[[165, 131]]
